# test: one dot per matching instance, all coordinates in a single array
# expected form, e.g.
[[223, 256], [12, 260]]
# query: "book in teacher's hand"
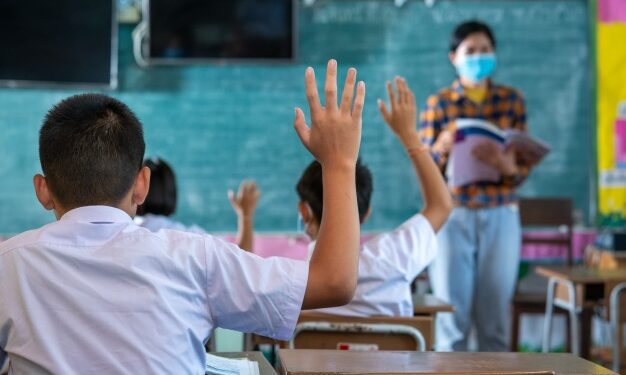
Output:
[[464, 168]]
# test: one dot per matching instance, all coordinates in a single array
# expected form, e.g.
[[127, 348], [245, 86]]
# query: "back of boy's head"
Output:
[[310, 189], [91, 149], [161, 199]]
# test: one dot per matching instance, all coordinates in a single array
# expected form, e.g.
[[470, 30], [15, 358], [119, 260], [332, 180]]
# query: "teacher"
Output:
[[479, 247]]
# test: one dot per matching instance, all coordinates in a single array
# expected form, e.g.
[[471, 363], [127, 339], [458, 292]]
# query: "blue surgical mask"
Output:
[[476, 67]]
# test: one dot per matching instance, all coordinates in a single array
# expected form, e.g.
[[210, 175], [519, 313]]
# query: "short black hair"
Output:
[[91, 149], [310, 189], [468, 28], [161, 199]]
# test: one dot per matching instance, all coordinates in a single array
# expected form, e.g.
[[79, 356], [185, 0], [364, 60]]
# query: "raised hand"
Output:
[[335, 133], [402, 116], [245, 201]]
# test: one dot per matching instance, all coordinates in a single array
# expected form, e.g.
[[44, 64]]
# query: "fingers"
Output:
[[408, 96], [348, 91], [383, 111], [312, 96], [401, 90], [231, 198], [392, 96], [357, 112], [301, 127], [330, 87]]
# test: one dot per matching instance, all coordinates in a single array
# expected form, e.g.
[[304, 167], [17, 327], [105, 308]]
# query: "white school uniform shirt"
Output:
[[388, 264], [157, 222], [94, 293]]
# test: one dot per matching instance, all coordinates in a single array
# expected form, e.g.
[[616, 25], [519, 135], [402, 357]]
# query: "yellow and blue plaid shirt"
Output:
[[504, 107]]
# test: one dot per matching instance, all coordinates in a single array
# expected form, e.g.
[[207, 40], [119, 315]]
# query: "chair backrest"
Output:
[[324, 331], [544, 213]]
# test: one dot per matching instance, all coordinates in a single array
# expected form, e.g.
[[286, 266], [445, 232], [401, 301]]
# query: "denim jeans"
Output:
[[476, 270]]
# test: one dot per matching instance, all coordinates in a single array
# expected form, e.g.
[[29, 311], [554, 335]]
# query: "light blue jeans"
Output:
[[476, 270]]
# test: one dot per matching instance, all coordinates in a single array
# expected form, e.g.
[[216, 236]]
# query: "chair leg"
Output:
[[547, 321], [573, 317], [515, 329], [616, 326], [568, 334]]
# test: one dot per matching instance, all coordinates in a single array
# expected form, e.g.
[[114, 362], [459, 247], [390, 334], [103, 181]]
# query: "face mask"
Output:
[[476, 67]]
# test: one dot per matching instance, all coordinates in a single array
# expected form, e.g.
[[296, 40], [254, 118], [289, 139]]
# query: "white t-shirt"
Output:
[[157, 222], [388, 264], [93, 293]]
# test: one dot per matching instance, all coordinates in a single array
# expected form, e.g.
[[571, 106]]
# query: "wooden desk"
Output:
[[264, 366], [427, 304], [591, 288], [311, 362]]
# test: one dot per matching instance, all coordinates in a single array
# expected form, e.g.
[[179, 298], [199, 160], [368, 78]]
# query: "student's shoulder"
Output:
[[444, 95], [509, 92], [417, 224], [21, 240], [182, 239]]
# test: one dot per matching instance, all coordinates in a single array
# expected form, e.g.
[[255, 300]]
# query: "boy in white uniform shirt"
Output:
[[93, 293], [389, 262]]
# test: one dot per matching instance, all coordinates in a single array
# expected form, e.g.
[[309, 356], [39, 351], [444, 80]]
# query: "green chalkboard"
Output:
[[218, 124]]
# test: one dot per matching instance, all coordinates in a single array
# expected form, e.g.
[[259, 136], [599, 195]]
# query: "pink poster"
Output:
[[612, 11]]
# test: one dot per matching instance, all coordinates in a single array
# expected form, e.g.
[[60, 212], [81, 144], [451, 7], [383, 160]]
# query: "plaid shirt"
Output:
[[504, 107]]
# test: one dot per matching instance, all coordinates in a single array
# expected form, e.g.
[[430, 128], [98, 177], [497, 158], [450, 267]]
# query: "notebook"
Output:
[[463, 168], [216, 365]]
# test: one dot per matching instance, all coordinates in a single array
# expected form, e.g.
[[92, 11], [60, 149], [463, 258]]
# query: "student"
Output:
[[389, 263], [476, 268], [160, 204], [93, 293]]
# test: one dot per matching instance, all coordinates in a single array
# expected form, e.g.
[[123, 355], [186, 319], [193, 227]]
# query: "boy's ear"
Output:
[[42, 192], [142, 186], [305, 211]]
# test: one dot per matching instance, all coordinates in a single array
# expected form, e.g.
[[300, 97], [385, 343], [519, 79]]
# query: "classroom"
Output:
[[313, 186]]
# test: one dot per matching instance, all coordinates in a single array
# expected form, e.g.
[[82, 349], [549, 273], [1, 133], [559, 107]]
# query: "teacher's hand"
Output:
[[491, 154]]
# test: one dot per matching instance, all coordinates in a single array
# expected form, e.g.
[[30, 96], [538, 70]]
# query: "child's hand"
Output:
[[335, 133], [402, 119], [244, 203]]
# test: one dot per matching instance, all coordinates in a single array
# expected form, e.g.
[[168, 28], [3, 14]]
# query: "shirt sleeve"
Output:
[[248, 293], [432, 119], [410, 248]]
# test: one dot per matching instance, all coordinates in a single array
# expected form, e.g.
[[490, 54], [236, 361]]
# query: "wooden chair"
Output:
[[530, 293], [323, 331]]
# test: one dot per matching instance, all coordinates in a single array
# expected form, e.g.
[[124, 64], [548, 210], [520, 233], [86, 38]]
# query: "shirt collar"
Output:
[[97, 215], [458, 91]]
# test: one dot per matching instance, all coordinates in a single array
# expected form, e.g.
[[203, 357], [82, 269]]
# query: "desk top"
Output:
[[264, 366], [310, 362], [427, 304], [582, 274]]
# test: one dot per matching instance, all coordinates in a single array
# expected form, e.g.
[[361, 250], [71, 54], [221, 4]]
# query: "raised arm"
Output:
[[244, 204], [334, 139], [401, 119]]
